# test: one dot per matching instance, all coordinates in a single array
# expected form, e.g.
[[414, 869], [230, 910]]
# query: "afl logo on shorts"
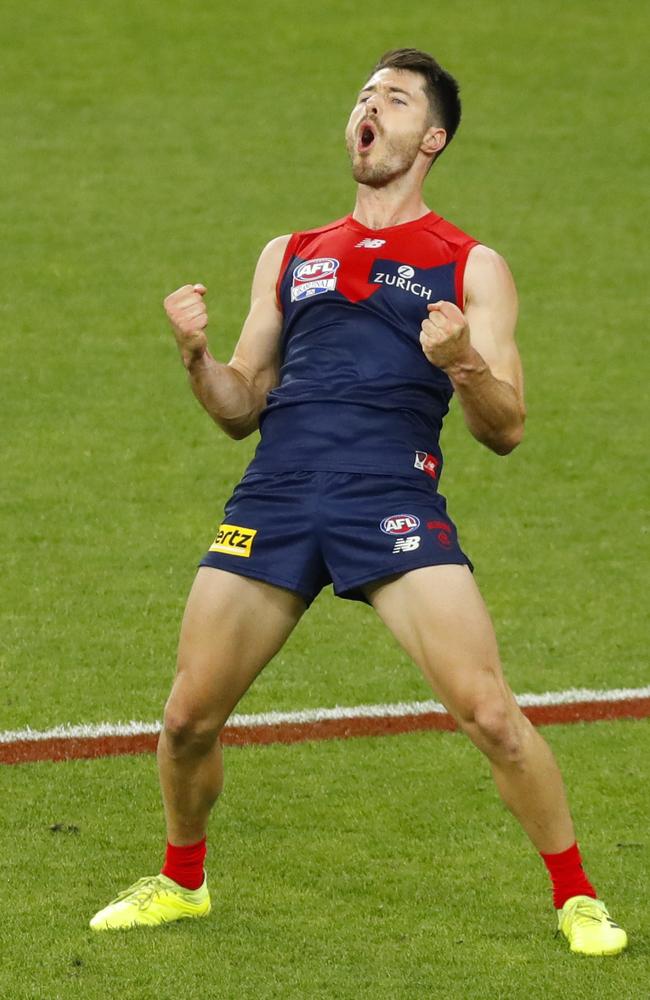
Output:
[[313, 277], [399, 524]]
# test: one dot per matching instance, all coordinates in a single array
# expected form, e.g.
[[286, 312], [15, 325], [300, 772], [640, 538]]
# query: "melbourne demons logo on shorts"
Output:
[[427, 463], [313, 277], [443, 532]]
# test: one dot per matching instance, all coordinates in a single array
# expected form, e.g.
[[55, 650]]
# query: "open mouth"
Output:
[[367, 137]]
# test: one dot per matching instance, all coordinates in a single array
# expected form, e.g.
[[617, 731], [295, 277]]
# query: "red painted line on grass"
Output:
[[78, 748]]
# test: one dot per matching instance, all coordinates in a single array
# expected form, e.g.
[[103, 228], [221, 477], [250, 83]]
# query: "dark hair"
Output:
[[439, 85]]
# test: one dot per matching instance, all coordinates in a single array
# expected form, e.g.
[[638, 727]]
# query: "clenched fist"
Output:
[[445, 335], [188, 316]]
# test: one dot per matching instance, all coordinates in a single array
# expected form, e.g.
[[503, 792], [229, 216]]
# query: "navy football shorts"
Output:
[[304, 530]]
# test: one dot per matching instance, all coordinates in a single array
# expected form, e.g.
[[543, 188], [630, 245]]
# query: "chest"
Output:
[[392, 278]]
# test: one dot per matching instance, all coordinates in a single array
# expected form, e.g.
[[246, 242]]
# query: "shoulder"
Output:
[[274, 249], [272, 255], [481, 256], [269, 264], [451, 234], [328, 227], [277, 250], [487, 274]]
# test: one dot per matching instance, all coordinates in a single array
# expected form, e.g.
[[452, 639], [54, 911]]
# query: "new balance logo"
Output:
[[369, 244], [409, 544]]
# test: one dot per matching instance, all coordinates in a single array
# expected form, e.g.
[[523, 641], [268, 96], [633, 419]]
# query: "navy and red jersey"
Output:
[[356, 393]]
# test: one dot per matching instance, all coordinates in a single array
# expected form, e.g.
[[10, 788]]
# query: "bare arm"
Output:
[[234, 394], [477, 350]]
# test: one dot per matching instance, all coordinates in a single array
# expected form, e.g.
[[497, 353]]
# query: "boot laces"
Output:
[[586, 913], [142, 892]]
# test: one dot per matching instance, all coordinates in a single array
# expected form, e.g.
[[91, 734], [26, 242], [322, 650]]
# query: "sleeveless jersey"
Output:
[[356, 393]]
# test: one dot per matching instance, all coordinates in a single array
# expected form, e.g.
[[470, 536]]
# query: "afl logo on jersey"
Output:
[[313, 277], [399, 524]]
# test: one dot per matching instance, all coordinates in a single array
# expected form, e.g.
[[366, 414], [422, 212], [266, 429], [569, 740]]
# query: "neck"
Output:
[[392, 205]]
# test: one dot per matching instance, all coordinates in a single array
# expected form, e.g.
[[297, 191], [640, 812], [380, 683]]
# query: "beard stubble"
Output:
[[397, 159]]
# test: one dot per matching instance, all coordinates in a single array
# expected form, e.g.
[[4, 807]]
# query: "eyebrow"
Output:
[[393, 90]]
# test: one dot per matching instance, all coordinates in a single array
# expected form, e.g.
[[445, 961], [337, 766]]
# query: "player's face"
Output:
[[387, 125]]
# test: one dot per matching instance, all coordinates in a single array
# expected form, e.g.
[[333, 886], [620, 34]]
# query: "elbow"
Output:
[[241, 426], [236, 431], [506, 445], [510, 438], [502, 444]]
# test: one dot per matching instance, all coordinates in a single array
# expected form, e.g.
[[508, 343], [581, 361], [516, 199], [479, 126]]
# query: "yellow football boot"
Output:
[[151, 901], [588, 927]]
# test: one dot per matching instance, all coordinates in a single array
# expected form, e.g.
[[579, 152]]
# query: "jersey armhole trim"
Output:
[[459, 275], [286, 257]]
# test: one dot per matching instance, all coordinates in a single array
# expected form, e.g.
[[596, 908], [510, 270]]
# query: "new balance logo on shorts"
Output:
[[234, 541], [409, 544]]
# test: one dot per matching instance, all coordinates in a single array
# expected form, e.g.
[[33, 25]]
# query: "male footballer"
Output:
[[358, 334]]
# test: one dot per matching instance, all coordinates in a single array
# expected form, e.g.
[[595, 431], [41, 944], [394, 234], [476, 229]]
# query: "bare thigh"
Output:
[[439, 618], [232, 627]]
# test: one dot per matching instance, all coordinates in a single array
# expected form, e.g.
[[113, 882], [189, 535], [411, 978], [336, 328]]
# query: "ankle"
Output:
[[184, 863], [567, 876]]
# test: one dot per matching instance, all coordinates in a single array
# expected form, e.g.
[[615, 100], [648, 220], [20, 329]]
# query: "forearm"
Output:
[[493, 410], [225, 394]]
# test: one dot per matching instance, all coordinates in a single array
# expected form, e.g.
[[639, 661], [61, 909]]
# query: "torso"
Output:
[[356, 393]]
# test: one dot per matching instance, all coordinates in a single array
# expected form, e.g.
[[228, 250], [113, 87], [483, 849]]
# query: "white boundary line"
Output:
[[571, 696]]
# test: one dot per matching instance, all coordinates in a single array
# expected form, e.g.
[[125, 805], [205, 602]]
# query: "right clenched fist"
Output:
[[188, 316]]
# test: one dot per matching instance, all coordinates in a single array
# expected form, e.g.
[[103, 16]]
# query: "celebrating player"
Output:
[[357, 336]]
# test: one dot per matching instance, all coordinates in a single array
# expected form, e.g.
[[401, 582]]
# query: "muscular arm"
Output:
[[234, 394], [477, 350]]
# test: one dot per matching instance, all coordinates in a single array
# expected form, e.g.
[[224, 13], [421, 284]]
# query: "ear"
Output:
[[434, 140]]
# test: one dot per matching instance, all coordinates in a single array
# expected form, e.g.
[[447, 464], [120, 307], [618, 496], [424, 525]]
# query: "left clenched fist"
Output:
[[445, 335]]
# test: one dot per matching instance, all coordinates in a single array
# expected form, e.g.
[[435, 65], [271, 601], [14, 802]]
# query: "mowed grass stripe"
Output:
[[106, 739]]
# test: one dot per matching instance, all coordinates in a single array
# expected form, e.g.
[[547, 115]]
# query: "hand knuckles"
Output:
[[178, 293]]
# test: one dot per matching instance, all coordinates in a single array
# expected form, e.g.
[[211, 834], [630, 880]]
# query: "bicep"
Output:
[[257, 354], [491, 310]]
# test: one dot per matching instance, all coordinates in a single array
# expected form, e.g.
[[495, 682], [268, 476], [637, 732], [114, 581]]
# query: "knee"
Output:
[[499, 729], [187, 731]]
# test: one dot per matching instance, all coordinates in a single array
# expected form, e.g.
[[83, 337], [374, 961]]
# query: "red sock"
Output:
[[567, 876], [185, 864]]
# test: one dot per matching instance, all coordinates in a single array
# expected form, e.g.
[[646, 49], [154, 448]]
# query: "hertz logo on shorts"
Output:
[[234, 541]]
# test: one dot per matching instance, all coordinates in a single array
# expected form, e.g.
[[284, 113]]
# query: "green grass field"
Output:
[[150, 145], [362, 868]]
